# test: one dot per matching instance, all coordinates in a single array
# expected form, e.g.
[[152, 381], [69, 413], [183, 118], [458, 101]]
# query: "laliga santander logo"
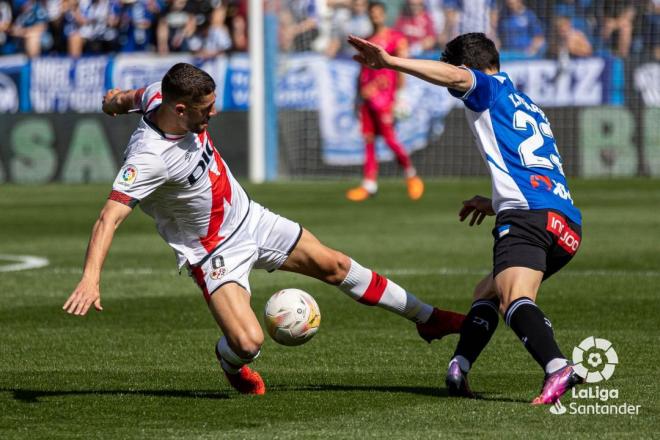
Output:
[[594, 359]]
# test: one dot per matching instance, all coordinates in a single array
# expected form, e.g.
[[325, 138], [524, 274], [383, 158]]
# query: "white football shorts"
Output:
[[263, 241]]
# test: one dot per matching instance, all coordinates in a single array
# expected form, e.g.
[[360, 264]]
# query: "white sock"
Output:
[[372, 289], [370, 185], [410, 172], [555, 365], [229, 360], [463, 363]]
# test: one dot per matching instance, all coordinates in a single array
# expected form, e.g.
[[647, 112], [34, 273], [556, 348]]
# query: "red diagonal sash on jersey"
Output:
[[221, 191]]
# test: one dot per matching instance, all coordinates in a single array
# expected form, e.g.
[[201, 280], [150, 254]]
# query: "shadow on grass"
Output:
[[422, 391], [33, 396], [491, 397]]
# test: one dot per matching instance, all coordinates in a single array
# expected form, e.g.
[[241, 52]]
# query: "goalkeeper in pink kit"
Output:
[[377, 97]]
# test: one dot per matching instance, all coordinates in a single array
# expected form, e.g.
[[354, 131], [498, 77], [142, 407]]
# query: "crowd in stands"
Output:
[[521, 28], [84, 27]]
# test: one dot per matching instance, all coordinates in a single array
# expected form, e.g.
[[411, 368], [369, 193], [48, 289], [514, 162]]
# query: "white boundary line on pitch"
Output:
[[448, 271], [24, 262]]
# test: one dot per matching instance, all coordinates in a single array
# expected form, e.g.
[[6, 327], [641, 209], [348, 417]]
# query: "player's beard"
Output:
[[200, 128]]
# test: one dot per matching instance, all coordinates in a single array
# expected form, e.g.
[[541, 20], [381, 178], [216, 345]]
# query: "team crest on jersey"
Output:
[[127, 175], [218, 269]]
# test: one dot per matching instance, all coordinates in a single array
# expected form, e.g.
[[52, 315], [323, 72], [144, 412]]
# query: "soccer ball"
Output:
[[292, 317]]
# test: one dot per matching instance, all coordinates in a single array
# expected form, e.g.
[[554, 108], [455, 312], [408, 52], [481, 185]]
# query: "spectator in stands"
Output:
[[212, 37], [651, 30], [345, 22], [436, 9], [55, 34], [134, 21], [30, 25], [325, 10], [74, 19], [298, 25], [175, 27], [581, 14], [520, 30], [416, 25], [465, 16], [568, 41], [237, 23], [332, 21], [616, 19], [5, 25], [86, 27]]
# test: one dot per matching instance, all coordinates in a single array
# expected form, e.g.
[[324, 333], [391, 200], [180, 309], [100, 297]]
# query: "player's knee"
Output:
[[505, 302], [336, 268], [248, 344]]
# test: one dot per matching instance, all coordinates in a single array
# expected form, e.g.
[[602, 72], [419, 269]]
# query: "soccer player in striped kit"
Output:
[[377, 96], [173, 171], [537, 229]]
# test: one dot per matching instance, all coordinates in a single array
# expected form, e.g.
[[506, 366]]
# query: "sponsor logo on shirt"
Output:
[[568, 239], [537, 180], [200, 168], [544, 182]]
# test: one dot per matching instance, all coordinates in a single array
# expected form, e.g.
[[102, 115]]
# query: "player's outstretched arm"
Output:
[[119, 102], [479, 207], [435, 72], [88, 292]]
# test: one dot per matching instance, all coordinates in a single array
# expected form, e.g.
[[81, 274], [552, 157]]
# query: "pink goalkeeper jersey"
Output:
[[381, 85], [183, 183]]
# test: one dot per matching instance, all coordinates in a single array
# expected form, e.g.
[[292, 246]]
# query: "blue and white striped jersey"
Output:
[[475, 15], [514, 138]]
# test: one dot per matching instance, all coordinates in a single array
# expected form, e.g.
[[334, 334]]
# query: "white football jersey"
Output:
[[182, 182]]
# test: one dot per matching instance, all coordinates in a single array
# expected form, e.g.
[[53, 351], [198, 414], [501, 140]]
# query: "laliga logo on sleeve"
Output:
[[127, 175], [594, 359]]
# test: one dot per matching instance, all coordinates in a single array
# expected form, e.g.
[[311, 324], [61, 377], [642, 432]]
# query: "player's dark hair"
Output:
[[376, 4], [473, 50], [186, 82]]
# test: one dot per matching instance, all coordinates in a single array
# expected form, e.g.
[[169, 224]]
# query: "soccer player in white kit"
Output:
[[172, 170], [537, 230]]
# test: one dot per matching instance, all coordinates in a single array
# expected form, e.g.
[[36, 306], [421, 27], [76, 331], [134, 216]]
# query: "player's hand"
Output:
[[369, 54], [479, 207], [110, 106], [83, 297]]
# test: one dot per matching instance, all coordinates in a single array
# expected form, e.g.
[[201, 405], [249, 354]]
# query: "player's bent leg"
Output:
[[310, 257], [518, 287], [476, 331], [242, 340]]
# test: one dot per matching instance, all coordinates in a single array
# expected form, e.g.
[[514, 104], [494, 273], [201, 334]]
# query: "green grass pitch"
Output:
[[145, 368]]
